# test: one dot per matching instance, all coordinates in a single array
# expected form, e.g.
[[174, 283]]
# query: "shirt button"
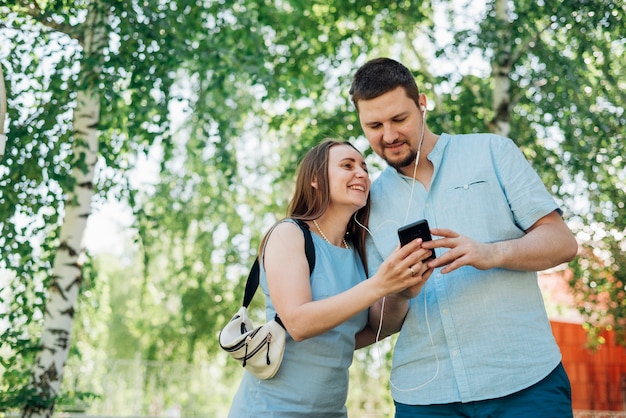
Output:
[[466, 186], [455, 353]]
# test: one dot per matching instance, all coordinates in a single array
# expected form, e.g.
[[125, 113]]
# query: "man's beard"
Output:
[[405, 162]]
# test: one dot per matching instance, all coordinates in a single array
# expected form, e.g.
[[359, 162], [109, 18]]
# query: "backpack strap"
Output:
[[309, 249], [252, 283]]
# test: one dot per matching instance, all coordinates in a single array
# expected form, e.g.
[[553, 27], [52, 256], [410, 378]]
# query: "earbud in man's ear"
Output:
[[422, 108]]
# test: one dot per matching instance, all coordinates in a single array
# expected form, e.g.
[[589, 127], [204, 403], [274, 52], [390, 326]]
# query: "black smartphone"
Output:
[[419, 229]]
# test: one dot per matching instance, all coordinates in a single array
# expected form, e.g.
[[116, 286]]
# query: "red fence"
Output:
[[598, 377]]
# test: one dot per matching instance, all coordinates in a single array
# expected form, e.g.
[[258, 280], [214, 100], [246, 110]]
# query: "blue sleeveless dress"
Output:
[[313, 378]]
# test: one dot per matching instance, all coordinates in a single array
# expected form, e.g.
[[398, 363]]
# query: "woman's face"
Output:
[[347, 177]]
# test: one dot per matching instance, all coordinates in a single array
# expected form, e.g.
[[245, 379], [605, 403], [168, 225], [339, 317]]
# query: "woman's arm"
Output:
[[289, 284]]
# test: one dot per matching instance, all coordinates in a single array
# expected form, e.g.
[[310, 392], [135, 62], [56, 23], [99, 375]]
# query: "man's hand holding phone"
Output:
[[462, 251]]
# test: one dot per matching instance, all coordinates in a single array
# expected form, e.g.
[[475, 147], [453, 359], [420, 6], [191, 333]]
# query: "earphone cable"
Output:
[[382, 309]]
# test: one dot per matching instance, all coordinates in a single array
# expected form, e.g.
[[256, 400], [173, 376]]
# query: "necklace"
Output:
[[324, 235]]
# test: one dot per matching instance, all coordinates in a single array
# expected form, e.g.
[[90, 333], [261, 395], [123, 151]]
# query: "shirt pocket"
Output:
[[477, 208], [470, 197], [474, 184]]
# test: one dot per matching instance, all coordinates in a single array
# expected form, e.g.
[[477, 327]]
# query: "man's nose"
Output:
[[389, 134]]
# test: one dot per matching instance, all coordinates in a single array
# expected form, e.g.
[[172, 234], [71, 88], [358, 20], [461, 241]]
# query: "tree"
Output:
[[3, 113], [64, 281], [564, 61], [554, 87], [71, 61]]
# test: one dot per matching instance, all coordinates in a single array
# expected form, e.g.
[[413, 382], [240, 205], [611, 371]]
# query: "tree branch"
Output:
[[36, 13]]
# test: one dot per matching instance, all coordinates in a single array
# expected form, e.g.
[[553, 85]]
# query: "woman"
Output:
[[325, 313]]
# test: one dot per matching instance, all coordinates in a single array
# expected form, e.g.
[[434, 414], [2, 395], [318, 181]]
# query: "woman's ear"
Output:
[[314, 183]]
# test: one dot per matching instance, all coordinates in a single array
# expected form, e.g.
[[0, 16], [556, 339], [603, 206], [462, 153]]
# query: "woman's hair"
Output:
[[380, 76], [310, 202]]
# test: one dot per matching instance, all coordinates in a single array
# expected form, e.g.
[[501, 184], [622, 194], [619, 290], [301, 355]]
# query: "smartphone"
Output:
[[419, 229]]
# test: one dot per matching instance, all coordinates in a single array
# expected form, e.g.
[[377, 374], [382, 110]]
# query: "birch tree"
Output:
[[67, 61], [556, 90], [3, 112], [501, 67], [66, 269]]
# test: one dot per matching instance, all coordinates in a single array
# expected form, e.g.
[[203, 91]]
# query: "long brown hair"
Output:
[[310, 203]]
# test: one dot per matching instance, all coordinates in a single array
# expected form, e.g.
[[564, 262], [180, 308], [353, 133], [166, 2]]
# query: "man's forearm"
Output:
[[394, 308], [545, 245]]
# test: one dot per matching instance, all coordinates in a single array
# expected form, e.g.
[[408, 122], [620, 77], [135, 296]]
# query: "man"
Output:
[[476, 341]]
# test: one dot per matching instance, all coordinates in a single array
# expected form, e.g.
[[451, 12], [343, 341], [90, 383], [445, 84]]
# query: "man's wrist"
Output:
[[401, 298]]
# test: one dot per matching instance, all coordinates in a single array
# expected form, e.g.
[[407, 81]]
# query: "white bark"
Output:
[[67, 269], [501, 70], [3, 112]]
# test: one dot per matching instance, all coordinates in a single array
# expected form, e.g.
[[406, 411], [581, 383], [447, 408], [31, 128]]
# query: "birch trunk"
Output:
[[3, 112], [501, 71], [67, 268]]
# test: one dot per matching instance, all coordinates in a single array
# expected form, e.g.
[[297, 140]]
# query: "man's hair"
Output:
[[379, 76]]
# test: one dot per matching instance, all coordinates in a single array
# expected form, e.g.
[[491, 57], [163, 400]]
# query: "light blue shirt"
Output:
[[312, 380], [469, 335]]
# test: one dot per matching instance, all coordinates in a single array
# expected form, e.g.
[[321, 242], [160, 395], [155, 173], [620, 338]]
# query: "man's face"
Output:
[[392, 124]]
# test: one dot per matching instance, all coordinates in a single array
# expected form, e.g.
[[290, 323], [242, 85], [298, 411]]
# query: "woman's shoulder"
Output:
[[285, 231], [285, 243]]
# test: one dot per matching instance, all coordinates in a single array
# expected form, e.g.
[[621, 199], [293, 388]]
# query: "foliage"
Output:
[[600, 289], [567, 115]]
